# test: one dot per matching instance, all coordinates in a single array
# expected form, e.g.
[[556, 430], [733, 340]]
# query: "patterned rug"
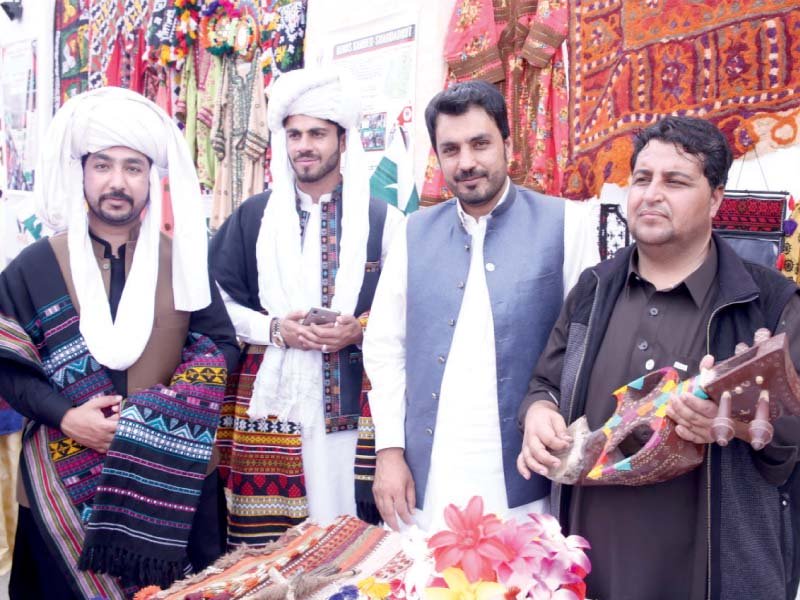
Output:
[[632, 61], [308, 563]]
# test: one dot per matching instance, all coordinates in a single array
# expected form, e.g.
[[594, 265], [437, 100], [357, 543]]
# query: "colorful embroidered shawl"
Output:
[[127, 513], [631, 62], [260, 463], [103, 19], [261, 460], [149, 488]]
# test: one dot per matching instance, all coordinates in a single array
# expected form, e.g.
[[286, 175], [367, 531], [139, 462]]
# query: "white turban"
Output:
[[90, 122], [289, 382]]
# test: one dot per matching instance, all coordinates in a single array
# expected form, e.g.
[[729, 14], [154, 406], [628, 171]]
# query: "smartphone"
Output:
[[320, 316]]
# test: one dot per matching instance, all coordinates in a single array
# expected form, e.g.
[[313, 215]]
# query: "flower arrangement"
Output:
[[481, 557], [490, 558]]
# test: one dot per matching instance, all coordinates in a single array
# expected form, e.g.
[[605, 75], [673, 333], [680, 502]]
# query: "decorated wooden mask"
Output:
[[638, 445]]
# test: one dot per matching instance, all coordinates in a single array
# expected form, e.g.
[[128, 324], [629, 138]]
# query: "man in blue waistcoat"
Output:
[[469, 293]]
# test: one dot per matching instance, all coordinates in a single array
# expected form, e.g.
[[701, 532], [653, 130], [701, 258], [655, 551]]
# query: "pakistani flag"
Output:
[[393, 179]]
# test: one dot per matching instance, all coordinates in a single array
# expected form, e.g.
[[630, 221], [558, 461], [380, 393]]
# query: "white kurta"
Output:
[[328, 459], [466, 459]]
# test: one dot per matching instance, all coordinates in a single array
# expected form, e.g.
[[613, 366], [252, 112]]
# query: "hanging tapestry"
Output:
[[126, 66], [283, 30], [613, 234], [761, 132], [161, 33], [103, 19], [71, 47], [751, 211], [631, 62], [513, 44]]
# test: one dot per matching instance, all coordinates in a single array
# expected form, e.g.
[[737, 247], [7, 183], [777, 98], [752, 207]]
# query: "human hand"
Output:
[[88, 425], [346, 331], [394, 487], [296, 335], [545, 430], [692, 415]]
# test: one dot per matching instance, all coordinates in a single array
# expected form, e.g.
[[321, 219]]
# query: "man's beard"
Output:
[[116, 219], [315, 175], [475, 198]]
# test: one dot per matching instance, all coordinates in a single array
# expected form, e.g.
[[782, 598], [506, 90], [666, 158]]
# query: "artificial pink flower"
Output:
[[471, 544], [544, 564], [526, 554]]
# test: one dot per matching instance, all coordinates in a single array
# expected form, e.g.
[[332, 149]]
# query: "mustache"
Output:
[[116, 196], [651, 209], [307, 154], [474, 172]]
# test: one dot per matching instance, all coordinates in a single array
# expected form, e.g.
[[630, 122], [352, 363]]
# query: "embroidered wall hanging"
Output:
[[631, 62], [514, 44], [71, 48], [612, 231]]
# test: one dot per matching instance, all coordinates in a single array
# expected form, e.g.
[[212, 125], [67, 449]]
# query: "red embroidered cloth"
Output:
[[632, 61]]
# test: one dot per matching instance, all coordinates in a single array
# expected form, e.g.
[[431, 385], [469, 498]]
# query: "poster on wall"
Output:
[[18, 83], [380, 56], [19, 224]]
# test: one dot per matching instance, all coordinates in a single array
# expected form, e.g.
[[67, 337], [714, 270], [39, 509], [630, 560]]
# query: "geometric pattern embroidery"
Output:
[[613, 232], [260, 462], [64, 448], [102, 34], [751, 211], [206, 375], [330, 265]]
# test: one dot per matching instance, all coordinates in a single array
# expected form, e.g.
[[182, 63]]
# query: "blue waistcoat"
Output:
[[524, 244]]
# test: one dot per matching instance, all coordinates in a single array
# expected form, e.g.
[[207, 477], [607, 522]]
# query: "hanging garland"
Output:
[[188, 18], [269, 28], [225, 29], [246, 37], [173, 31]]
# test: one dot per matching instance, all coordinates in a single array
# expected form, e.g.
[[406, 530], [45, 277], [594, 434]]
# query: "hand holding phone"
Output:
[[320, 316]]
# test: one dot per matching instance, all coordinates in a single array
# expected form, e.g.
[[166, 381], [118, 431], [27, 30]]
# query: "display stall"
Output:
[[579, 79]]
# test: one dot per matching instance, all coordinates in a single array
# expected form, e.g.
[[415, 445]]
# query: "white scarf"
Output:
[[90, 122], [289, 382]]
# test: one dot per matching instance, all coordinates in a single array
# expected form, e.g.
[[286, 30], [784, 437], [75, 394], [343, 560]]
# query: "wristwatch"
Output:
[[275, 335]]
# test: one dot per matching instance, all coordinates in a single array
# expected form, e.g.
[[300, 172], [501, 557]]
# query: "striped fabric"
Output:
[[150, 484], [127, 514], [260, 462]]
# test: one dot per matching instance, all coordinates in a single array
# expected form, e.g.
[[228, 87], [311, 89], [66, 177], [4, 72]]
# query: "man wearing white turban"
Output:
[[115, 346], [288, 428]]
